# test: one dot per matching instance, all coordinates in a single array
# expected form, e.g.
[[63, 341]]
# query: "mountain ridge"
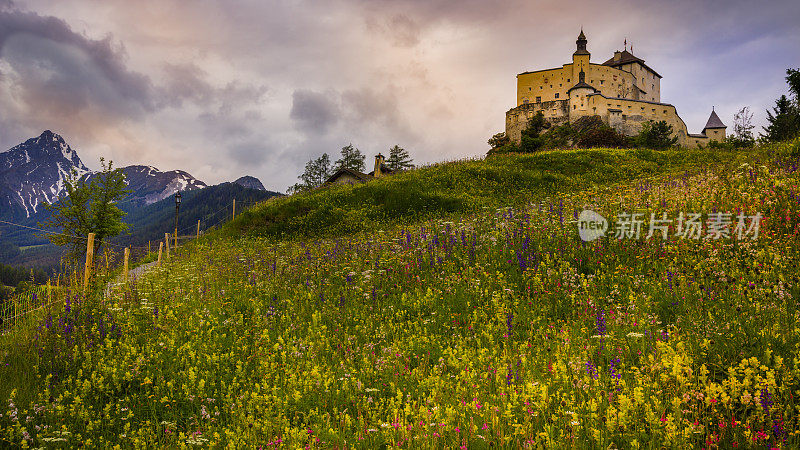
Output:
[[35, 171]]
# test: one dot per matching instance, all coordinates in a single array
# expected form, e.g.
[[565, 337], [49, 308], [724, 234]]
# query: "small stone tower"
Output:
[[714, 129], [379, 161]]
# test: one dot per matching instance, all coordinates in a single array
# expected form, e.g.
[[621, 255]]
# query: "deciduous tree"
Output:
[[90, 206]]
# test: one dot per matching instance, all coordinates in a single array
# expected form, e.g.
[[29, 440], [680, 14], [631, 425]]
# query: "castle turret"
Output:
[[714, 129], [580, 59], [579, 96]]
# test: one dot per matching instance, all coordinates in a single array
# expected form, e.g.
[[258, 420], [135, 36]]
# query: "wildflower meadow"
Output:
[[488, 326]]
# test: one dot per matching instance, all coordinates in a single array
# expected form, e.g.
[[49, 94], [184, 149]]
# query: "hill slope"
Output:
[[473, 317]]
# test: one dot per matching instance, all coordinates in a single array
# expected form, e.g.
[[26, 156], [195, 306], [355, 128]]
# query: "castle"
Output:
[[624, 91]]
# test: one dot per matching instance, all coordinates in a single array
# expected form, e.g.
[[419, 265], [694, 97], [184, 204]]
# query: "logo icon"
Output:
[[591, 225]]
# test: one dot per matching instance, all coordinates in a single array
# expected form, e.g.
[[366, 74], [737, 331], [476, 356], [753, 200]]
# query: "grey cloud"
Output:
[[398, 28], [188, 82], [250, 154], [376, 107], [109, 61], [314, 112]]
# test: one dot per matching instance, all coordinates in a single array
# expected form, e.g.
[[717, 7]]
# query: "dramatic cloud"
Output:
[[228, 88], [314, 112]]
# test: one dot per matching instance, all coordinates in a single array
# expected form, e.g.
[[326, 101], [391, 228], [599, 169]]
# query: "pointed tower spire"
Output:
[[581, 43], [713, 121]]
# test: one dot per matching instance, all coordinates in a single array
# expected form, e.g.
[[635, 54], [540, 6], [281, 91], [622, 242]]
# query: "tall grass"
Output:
[[471, 316]]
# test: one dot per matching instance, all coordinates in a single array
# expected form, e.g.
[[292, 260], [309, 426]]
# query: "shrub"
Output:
[[602, 137]]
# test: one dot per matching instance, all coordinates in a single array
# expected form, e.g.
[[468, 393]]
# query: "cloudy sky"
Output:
[[228, 88]]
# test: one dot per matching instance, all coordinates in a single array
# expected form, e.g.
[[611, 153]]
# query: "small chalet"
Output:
[[350, 176]]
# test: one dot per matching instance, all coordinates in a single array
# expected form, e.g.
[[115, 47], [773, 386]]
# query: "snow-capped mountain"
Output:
[[250, 182], [33, 173], [150, 185]]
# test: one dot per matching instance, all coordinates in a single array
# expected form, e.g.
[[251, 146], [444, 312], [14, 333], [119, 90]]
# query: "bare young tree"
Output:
[[743, 128]]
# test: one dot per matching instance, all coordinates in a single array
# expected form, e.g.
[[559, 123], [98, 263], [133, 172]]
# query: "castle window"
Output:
[[602, 81], [556, 94], [551, 86], [529, 89], [567, 80], [654, 110], [538, 99], [559, 84], [574, 106]]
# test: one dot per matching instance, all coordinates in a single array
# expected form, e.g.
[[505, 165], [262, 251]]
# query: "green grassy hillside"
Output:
[[465, 186], [450, 306]]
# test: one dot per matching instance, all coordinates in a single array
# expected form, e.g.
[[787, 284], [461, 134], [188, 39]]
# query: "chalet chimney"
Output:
[[378, 163], [617, 55]]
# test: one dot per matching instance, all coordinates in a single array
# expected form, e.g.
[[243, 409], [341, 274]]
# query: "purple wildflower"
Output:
[[601, 322], [766, 400], [591, 369]]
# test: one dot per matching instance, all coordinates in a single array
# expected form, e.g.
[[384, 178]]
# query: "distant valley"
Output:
[[34, 172]]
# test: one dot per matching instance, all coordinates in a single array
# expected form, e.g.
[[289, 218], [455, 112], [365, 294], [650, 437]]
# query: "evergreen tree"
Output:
[[317, 172], [784, 121], [351, 159], [399, 159], [89, 207], [656, 135]]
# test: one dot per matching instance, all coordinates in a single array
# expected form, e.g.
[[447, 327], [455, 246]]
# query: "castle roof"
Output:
[[714, 121], [627, 57], [581, 84]]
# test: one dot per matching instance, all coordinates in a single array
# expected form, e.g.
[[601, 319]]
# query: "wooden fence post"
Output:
[[160, 246], [176, 239], [125, 270], [166, 238], [234, 209], [89, 255], [198, 229]]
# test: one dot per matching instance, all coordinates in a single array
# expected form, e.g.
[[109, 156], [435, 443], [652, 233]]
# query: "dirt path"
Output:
[[132, 275]]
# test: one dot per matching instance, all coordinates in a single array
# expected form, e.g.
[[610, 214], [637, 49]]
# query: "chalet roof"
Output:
[[345, 171], [714, 122], [627, 57]]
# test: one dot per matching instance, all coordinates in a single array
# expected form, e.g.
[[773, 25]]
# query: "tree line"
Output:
[[318, 170]]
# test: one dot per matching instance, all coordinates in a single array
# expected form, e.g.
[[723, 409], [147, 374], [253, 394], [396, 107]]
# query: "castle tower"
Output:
[[579, 97], [580, 59], [714, 129]]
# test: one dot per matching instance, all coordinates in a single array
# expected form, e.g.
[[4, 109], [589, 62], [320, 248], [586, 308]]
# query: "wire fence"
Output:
[[23, 306]]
